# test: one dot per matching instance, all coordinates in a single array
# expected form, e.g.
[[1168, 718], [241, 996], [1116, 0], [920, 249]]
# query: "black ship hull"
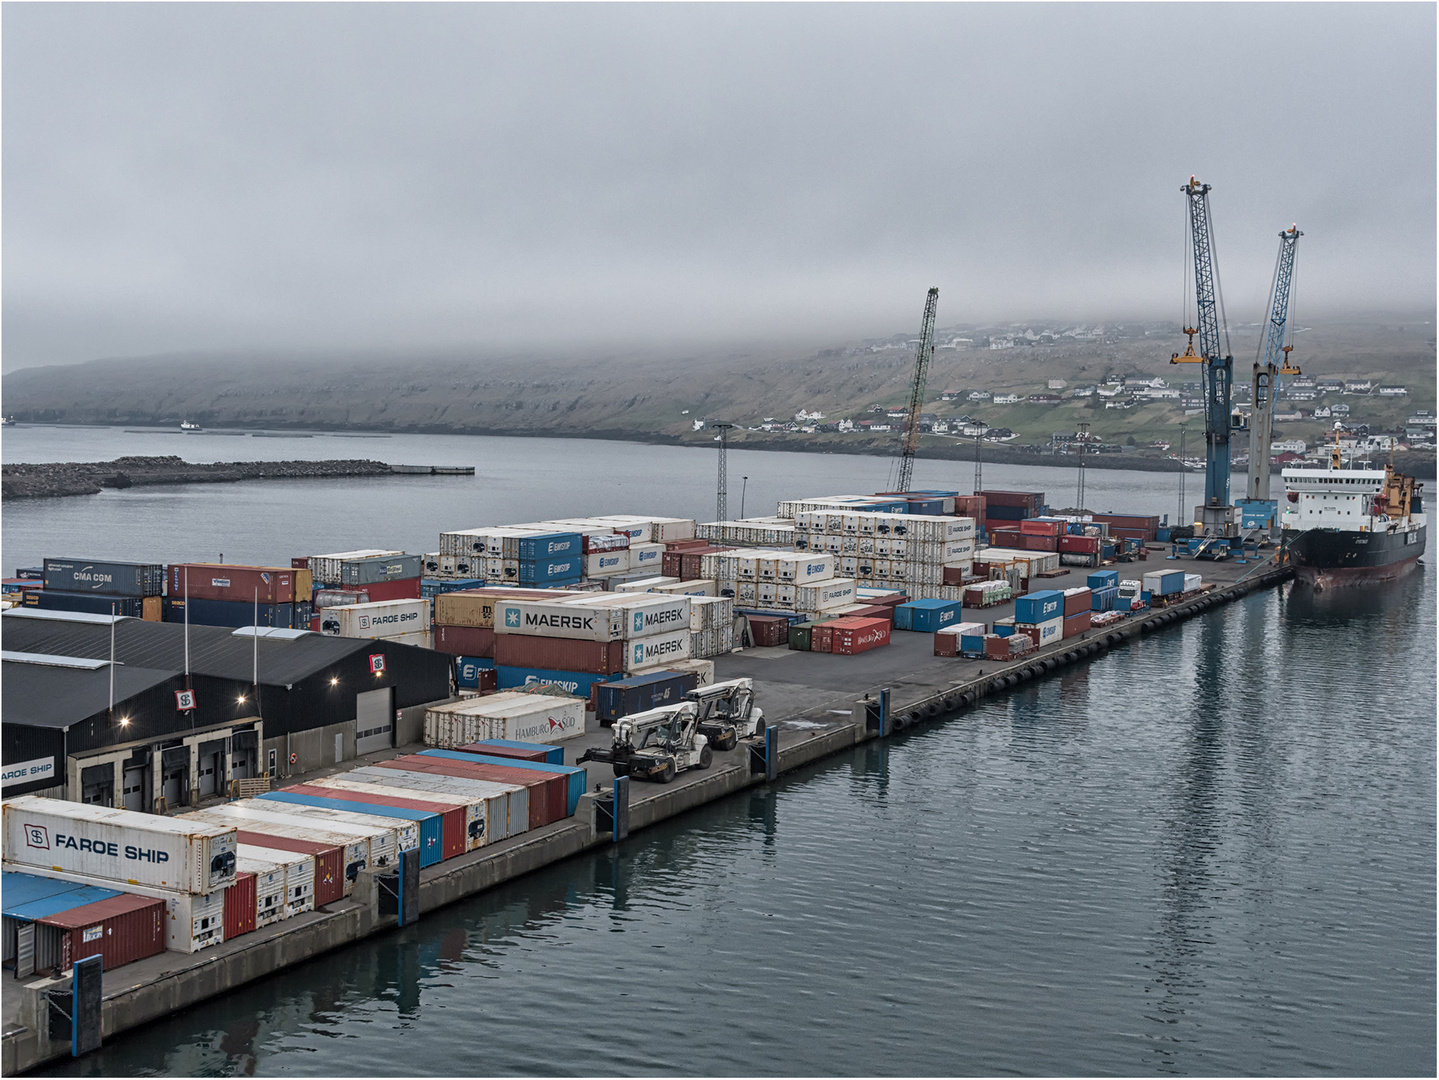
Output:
[[1326, 558]]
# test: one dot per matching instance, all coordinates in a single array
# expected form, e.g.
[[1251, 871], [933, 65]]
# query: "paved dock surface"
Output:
[[814, 698]]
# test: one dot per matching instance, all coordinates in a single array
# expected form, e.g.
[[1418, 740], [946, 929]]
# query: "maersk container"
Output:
[[119, 930], [385, 568], [223, 581], [106, 578], [447, 839], [656, 651], [549, 546], [525, 751], [234, 613], [575, 776], [575, 620], [91, 603], [1038, 607], [118, 845], [393, 833], [545, 801], [525, 717], [385, 619], [507, 805], [580, 684], [298, 868], [625, 697]]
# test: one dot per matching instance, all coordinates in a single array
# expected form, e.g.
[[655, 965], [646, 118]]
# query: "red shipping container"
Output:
[[403, 589], [240, 904], [1031, 542], [854, 635], [821, 638], [465, 641], [301, 562], [489, 680], [121, 929], [1079, 545], [877, 611], [519, 753], [452, 815], [672, 565], [971, 506], [329, 861], [225, 581], [946, 644], [559, 654], [953, 575], [767, 630], [996, 647], [1041, 528], [1076, 624], [549, 792], [1003, 533], [1030, 500], [1077, 601]]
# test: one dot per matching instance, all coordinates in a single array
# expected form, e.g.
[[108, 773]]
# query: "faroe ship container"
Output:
[[355, 841], [119, 845], [109, 578], [383, 619]]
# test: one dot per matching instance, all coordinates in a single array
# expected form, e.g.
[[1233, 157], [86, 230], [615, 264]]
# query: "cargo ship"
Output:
[[1350, 526]]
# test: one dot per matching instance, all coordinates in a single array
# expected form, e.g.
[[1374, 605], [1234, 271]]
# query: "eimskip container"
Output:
[[1038, 607], [119, 845]]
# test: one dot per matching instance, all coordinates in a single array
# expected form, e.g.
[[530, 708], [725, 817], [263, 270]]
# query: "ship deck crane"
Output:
[[1216, 516], [1275, 358], [910, 440]]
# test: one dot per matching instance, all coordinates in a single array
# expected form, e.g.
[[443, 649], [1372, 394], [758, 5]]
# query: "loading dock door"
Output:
[[135, 787], [97, 785], [175, 775], [211, 766], [374, 720]]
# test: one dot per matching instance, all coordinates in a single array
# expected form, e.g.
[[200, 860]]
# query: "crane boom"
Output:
[[910, 439], [1275, 363], [1213, 354]]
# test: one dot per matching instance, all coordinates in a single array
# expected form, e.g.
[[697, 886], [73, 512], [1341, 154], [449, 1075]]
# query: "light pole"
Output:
[[743, 487]]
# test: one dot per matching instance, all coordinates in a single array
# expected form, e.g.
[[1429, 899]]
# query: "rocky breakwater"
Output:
[[87, 478]]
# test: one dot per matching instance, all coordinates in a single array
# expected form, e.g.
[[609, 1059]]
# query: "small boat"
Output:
[[185, 425]]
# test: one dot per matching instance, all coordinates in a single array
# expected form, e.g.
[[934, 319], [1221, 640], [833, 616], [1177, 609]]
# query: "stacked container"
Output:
[[625, 697], [404, 621], [926, 616], [132, 589], [538, 718]]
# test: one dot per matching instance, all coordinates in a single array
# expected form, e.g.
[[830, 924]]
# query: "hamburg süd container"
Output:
[[535, 717], [853, 635], [107, 578], [119, 845]]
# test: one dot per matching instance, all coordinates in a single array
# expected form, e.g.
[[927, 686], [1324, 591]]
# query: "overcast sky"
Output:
[[277, 176]]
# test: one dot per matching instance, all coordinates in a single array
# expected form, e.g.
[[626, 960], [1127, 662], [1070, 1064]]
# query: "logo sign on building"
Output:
[[184, 700], [27, 771], [377, 663]]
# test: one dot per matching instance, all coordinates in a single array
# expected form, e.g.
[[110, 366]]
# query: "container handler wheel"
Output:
[[669, 772], [730, 743], [706, 757], [621, 769]]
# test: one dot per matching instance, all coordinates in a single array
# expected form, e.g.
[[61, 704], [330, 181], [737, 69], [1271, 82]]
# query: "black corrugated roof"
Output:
[[39, 695], [214, 650]]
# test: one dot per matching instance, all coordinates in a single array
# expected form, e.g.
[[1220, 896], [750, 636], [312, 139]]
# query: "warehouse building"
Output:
[[176, 717]]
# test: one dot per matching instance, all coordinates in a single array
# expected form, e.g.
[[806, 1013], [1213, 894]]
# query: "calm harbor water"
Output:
[[1212, 852]]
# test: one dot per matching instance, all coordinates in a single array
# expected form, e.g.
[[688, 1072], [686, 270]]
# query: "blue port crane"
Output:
[[1216, 516], [1275, 357], [909, 443]]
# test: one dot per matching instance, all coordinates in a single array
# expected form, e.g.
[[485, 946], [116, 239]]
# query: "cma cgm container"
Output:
[[222, 581], [107, 578], [625, 697], [119, 845], [574, 775], [120, 930]]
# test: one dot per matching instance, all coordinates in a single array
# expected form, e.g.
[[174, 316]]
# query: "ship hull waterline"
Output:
[[1326, 559]]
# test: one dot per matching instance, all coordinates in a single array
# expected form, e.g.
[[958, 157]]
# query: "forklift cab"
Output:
[[726, 711]]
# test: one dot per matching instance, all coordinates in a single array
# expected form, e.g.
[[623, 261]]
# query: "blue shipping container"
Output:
[[234, 613], [550, 571], [1037, 607], [554, 755], [432, 825], [1103, 599], [435, 586], [576, 776], [467, 671], [971, 643], [1003, 629], [1100, 578], [20, 888], [926, 616], [625, 697], [93, 603], [571, 682], [37, 907], [549, 546]]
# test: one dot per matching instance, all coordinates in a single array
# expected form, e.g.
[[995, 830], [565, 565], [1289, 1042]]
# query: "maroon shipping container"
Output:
[[300, 562], [1006, 531], [971, 506], [953, 575], [1077, 601], [240, 903], [854, 635], [329, 862], [996, 647], [891, 601], [452, 814], [465, 641], [121, 929], [549, 794], [946, 644], [672, 565], [1031, 542], [821, 638], [519, 753], [224, 581], [876, 611], [1076, 624], [1079, 545], [403, 589], [1035, 527], [560, 654], [769, 630], [1029, 500], [489, 681]]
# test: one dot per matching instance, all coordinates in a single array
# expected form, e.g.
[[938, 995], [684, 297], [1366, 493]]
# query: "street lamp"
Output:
[[742, 489]]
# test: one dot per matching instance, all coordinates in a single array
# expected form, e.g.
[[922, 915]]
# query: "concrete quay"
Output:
[[819, 703]]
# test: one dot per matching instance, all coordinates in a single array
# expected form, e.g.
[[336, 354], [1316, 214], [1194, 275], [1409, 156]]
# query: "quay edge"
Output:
[[161, 985]]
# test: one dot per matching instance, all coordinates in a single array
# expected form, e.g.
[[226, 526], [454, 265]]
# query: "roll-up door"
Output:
[[374, 720]]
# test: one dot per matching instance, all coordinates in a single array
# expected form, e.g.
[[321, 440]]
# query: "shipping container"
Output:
[[560, 654], [927, 616], [381, 569], [454, 816], [524, 751], [608, 563], [326, 598], [323, 869], [562, 570], [1042, 633], [526, 717], [401, 589], [547, 798], [657, 650], [1076, 624], [1101, 578], [477, 607], [852, 636], [384, 619], [104, 578], [118, 845], [1076, 600], [825, 595], [397, 830], [769, 631], [235, 613], [241, 906], [223, 581], [580, 684], [27, 897], [327, 568], [1038, 607], [625, 697], [642, 615], [547, 546], [569, 618], [252, 817], [472, 641], [270, 886], [1164, 582], [1192, 582], [574, 775], [507, 805], [120, 930], [132, 607]]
